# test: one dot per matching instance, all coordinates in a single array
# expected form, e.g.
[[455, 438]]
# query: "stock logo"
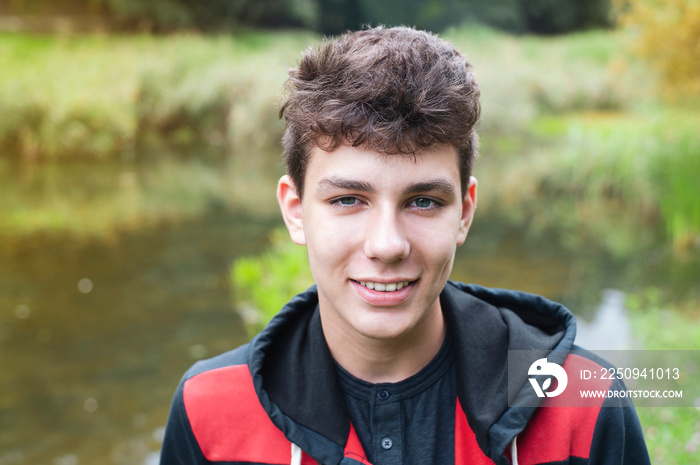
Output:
[[541, 368]]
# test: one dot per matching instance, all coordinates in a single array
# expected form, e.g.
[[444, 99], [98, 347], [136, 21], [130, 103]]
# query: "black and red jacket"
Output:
[[276, 400]]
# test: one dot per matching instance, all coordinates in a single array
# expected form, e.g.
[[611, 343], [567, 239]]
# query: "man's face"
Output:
[[381, 233]]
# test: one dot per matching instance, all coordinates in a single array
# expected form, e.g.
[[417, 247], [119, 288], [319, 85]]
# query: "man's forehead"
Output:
[[365, 170], [417, 156]]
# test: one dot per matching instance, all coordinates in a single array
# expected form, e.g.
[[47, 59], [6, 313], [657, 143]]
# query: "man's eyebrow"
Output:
[[441, 186], [335, 182]]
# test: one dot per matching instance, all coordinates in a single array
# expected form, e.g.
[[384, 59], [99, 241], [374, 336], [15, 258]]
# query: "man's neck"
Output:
[[386, 360]]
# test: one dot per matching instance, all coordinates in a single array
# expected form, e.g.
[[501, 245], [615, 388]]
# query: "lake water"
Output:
[[96, 329]]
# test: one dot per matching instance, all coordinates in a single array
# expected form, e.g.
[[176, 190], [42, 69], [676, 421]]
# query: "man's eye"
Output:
[[347, 201], [423, 202]]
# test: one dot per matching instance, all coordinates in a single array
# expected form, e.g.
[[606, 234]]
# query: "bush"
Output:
[[263, 284], [666, 34]]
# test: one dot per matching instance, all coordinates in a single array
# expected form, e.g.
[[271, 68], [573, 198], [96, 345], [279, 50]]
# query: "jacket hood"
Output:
[[294, 374], [488, 324]]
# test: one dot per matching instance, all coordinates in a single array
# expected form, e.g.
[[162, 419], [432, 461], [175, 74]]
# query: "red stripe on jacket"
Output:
[[231, 425], [467, 450], [228, 421], [558, 430]]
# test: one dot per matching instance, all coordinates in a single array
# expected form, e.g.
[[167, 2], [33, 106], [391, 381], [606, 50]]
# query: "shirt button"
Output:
[[387, 443], [383, 394]]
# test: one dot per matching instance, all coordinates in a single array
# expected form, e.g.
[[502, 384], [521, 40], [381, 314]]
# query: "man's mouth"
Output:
[[384, 287]]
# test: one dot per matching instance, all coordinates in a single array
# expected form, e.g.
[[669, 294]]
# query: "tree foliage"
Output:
[[667, 35], [336, 16], [520, 16], [175, 14]]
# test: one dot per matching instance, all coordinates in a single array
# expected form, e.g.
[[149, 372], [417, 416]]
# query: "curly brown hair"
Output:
[[392, 90]]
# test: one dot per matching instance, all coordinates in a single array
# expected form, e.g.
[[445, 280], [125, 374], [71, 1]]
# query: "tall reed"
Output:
[[645, 163]]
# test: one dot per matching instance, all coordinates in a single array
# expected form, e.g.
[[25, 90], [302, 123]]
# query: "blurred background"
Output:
[[139, 151]]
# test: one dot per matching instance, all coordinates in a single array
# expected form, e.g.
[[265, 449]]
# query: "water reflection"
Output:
[[95, 335], [610, 328]]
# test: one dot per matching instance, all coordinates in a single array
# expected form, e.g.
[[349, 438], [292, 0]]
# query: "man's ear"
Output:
[[468, 209], [290, 204]]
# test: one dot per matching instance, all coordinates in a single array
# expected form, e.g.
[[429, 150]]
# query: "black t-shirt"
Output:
[[409, 422]]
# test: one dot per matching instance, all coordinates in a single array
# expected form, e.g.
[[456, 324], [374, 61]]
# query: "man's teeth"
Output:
[[385, 287]]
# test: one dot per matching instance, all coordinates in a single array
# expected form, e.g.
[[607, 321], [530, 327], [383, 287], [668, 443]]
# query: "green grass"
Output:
[[672, 433]]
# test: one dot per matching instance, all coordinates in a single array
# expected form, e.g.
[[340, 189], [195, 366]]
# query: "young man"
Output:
[[385, 361]]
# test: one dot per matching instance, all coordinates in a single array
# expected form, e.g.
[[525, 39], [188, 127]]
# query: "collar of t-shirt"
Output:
[[409, 422]]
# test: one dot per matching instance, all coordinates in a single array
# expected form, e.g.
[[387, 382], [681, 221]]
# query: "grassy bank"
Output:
[[637, 168], [649, 162], [672, 433], [97, 97]]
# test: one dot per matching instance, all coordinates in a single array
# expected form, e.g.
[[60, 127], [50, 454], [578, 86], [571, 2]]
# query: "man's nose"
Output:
[[386, 240]]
